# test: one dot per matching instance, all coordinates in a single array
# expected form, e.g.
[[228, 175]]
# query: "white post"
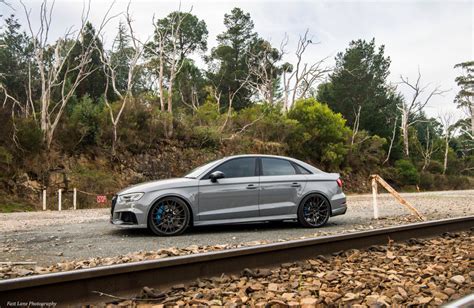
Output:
[[44, 199], [374, 198], [74, 198], [59, 199]]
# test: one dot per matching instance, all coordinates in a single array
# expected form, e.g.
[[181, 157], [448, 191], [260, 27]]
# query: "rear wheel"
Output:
[[314, 211], [169, 216]]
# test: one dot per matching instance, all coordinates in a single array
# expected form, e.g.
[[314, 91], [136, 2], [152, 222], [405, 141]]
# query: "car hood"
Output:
[[158, 185]]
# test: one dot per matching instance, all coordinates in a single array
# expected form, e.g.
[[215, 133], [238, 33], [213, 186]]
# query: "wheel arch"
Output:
[[316, 192]]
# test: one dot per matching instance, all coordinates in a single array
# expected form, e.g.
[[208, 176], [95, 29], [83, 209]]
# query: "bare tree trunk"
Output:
[[404, 132], [446, 150], [414, 106], [391, 140], [355, 130], [472, 119]]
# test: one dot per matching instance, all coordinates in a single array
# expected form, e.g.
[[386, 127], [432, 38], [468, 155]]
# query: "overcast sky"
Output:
[[430, 35]]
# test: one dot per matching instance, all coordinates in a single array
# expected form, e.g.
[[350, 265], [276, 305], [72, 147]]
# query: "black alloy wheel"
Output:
[[314, 211], [169, 216]]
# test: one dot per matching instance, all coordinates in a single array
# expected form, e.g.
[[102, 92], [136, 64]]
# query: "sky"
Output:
[[429, 36]]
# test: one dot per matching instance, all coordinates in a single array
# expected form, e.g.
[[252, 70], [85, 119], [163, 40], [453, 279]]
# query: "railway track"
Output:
[[81, 286]]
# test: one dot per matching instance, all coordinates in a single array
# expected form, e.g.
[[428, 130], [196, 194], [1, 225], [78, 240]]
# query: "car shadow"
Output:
[[219, 229]]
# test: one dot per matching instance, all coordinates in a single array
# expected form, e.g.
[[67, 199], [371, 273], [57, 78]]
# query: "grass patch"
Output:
[[10, 206]]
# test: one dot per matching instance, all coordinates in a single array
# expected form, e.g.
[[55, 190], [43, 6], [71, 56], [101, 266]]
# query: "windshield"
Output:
[[199, 170]]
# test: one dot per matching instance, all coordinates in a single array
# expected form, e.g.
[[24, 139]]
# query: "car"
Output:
[[234, 189]]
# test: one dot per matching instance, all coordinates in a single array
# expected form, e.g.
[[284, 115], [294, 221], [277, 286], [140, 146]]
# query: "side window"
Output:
[[301, 169], [275, 166], [237, 168]]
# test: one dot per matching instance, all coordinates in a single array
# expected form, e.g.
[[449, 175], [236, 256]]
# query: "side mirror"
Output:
[[216, 175]]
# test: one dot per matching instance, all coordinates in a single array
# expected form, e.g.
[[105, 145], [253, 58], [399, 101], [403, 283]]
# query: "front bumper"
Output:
[[130, 215]]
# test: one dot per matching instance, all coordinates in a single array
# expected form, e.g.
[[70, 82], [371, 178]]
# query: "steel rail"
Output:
[[77, 286]]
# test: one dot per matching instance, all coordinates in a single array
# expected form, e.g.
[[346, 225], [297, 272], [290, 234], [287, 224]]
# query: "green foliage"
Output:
[[367, 153], [85, 119], [229, 60], [360, 80], [30, 136], [406, 172], [321, 133]]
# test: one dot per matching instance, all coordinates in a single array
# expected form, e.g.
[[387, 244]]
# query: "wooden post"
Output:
[[59, 199], [396, 195], [374, 198], [74, 198], [44, 199]]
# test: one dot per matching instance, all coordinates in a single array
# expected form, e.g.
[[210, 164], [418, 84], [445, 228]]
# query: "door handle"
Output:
[[251, 186], [295, 185]]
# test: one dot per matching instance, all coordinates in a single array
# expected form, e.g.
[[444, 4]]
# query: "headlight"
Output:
[[132, 197]]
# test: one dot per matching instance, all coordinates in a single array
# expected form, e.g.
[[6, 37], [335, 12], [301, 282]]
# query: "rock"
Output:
[[449, 291], [308, 302], [273, 287], [350, 297], [458, 279]]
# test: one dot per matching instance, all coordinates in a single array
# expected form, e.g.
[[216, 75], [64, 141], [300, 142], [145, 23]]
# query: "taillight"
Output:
[[339, 182]]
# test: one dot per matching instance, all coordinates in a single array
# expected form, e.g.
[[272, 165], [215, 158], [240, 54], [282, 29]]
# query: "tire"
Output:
[[314, 211], [169, 216]]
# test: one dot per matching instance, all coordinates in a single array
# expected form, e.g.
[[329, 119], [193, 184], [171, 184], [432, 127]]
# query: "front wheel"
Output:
[[169, 216], [314, 211]]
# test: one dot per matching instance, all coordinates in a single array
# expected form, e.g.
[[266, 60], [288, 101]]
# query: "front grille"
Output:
[[114, 201]]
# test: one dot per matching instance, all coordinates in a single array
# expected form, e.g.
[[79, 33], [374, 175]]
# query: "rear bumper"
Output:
[[338, 204]]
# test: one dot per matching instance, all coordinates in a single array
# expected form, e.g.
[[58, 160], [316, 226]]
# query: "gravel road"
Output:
[[51, 237]]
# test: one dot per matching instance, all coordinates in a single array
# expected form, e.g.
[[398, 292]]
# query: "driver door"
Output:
[[233, 197]]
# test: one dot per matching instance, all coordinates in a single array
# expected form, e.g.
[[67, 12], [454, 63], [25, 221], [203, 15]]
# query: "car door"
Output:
[[233, 197], [281, 186]]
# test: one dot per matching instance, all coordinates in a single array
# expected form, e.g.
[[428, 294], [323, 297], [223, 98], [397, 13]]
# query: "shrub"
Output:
[[426, 181], [30, 136], [407, 173], [320, 135], [435, 167]]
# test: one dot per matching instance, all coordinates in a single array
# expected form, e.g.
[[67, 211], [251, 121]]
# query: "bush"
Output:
[[30, 136], [435, 167], [367, 153], [407, 173], [426, 181], [321, 134]]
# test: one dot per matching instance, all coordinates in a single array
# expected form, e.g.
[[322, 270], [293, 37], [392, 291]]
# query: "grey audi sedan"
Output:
[[235, 189]]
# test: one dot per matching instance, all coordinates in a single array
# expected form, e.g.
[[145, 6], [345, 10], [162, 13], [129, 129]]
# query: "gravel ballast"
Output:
[[416, 272]]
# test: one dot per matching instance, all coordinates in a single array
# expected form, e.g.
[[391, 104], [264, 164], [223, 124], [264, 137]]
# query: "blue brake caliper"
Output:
[[159, 213]]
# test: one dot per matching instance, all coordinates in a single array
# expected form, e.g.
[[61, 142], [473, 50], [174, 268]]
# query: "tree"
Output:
[[411, 108], [94, 84], [111, 66], [359, 90], [299, 79], [321, 135], [58, 77], [264, 69], [176, 36], [465, 96], [15, 67], [228, 63], [447, 121]]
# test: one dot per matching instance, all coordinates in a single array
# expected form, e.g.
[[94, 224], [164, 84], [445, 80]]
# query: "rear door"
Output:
[[281, 186], [233, 197]]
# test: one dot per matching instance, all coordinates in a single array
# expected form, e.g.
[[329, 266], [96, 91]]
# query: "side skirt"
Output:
[[244, 220]]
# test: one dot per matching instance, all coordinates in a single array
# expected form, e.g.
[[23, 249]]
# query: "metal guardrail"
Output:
[[78, 286]]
